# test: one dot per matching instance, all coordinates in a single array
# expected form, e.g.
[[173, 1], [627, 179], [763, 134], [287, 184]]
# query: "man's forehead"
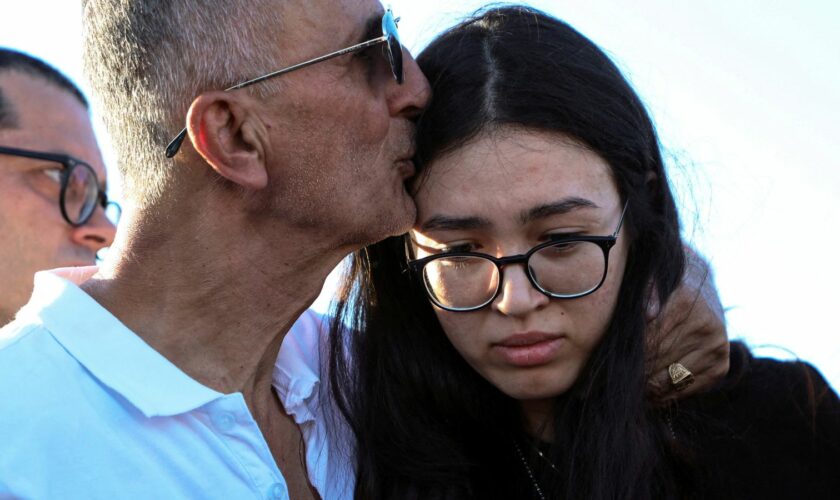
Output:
[[49, 119], [347, 11], [330, 23]]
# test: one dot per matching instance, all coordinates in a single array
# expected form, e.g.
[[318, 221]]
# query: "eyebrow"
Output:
[[564, 206], [446, 223], [560, 207]]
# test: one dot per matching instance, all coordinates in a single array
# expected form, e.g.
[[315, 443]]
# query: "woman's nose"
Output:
[[518, 296]]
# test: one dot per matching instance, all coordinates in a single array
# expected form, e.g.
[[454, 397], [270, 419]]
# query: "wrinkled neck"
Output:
[[214, 295]]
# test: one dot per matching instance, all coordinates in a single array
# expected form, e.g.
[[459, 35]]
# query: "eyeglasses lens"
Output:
[[567, 269], [393, 48], [80, 194], [461, 282]]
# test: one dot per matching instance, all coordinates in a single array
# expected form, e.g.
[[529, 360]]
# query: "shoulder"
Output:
[[777, 402], [44, 391], [16, 331], [30, 357], [771, 429], [794, 388]]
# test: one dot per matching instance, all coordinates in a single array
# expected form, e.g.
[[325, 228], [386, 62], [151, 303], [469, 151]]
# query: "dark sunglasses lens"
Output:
[[80, 194], [394, 47]]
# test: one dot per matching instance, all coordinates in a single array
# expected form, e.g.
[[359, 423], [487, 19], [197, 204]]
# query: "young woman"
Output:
[[500, 347]]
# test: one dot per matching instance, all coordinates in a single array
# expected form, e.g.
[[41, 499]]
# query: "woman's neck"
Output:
[[537, 416]]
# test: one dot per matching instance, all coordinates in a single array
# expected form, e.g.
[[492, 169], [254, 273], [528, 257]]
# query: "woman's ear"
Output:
[[225, 133]]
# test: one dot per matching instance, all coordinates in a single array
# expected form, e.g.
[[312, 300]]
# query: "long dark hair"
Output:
[[426, 424]]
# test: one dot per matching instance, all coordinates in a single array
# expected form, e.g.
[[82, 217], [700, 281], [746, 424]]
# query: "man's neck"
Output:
[[216, 303]]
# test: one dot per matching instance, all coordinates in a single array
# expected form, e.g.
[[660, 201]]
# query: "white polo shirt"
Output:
[[89, 410]]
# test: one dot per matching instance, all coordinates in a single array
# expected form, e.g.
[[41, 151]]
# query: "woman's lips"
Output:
[[529, 349]]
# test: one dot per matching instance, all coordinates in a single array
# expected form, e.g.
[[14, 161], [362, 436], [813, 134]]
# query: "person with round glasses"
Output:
[[501, 348], [52, 179]]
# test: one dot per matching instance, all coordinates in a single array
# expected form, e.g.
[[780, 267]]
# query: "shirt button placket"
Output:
[[277, 491], [224, 422]]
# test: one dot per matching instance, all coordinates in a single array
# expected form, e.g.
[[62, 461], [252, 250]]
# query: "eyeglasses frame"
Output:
[[68, 163], [395, 58], [604, 242]]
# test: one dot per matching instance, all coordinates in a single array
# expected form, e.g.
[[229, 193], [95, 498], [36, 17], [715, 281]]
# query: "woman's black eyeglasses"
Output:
[[567, 267], [80, 190], [393, 50]]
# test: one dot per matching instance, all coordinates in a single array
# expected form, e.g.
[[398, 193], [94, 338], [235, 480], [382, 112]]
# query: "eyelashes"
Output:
[[466, 247]]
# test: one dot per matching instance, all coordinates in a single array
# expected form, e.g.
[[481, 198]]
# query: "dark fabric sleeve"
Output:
[[772, 430], [820, 408]]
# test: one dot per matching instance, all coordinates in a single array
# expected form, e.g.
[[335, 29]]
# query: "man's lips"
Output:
[[405, 167], [529, 348]]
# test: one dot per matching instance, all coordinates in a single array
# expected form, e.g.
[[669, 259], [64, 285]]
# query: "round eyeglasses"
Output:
[[568, 267], [393, 51], [80, 191]]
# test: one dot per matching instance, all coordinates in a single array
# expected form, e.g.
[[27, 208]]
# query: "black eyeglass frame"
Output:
[[604, 242], [68, 163], [390, 36]]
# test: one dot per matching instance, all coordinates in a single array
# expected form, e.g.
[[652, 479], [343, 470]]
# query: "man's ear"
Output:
[[224, 132]]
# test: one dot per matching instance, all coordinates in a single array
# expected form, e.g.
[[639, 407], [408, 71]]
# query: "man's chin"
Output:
[[393, 222], [404, 220], [75, 259]]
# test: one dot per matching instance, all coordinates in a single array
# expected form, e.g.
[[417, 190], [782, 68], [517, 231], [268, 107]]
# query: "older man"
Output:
[[154, 377], [46, 146]]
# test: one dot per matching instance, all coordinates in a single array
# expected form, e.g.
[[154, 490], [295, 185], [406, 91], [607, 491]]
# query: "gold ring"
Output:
[[681, 377]]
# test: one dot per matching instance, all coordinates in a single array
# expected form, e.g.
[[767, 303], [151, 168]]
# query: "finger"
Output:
[[708, 367]]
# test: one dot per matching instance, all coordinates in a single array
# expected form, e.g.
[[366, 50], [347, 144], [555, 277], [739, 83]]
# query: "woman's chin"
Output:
[[536, 386]]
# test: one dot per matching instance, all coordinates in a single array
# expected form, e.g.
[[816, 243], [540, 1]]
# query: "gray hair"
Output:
[[148, 59]]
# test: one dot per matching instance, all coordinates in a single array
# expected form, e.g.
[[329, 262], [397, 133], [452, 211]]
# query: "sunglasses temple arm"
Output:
[[353, 48], [621, 219], [175, 145]]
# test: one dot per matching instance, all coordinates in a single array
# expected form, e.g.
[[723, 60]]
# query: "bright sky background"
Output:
[[746, 96]]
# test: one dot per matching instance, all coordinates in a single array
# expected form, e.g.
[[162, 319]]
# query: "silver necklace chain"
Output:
[[544, 458], [529, 471]]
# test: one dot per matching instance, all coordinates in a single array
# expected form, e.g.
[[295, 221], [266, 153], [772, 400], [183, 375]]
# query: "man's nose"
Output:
[[409, 98], [97, 233], [518, 296]]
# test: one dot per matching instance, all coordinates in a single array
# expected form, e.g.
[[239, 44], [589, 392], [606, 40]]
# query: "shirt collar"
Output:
[[111, 352], [297, 371]]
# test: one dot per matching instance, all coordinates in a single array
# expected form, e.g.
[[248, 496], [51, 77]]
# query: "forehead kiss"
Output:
[[502, 184]]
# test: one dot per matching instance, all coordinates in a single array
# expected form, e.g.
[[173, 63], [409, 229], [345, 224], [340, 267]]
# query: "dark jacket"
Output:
[[771, 430]]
